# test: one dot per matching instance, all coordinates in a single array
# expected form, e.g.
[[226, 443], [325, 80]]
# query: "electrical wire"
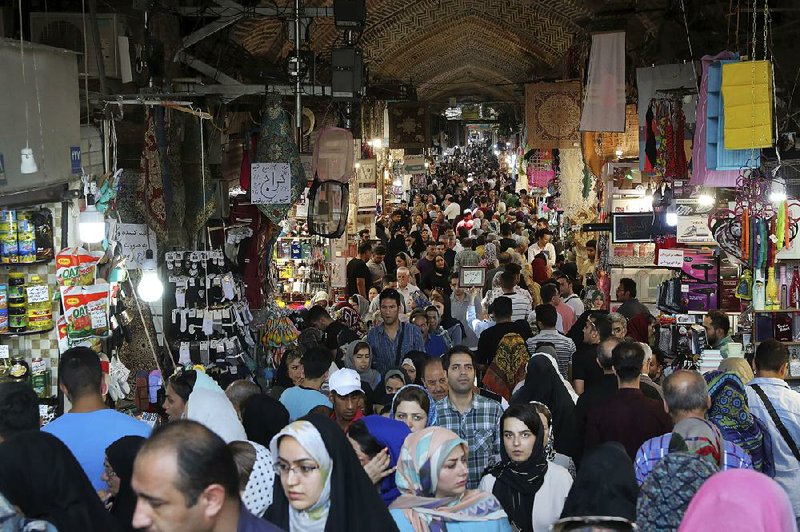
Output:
[[24, 82]]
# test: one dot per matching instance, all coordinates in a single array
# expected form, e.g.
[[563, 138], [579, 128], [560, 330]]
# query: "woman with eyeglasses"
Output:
[[324, 486], [117, 473]]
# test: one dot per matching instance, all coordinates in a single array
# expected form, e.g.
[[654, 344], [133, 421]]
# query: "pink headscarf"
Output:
[[740, 500]]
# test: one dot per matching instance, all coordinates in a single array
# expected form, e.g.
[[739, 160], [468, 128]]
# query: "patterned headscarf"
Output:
[[315, 518], [700, 437], [731, 414], [431, 408], [257, 495], [489, 256], [421, 460], [550, 446], [739, 366], [667, 491]]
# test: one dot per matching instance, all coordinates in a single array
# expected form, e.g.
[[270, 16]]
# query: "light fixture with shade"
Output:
[[28, 163], [91, 225], [150, 287]]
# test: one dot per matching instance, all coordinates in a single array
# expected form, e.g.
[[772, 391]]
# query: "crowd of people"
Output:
[[420, 404]]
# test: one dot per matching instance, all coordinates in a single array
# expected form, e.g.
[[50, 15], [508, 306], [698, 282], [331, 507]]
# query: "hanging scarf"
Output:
[[257, 496], [518, 483], [700, 437], [421, 460]]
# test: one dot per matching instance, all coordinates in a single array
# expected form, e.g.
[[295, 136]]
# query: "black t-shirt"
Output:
[[585, 367], [357, 269], [490, 338], [506, 243]]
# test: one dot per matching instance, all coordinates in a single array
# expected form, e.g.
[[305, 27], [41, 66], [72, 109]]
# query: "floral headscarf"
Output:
[[431, 408], [421, 460], [307, 435], [489, 256], [257, 495]]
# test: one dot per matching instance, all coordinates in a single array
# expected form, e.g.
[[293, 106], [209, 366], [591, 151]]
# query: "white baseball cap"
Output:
[[344, 382]]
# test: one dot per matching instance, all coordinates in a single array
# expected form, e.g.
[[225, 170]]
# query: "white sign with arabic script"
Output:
[[133, 239], [270, 183]]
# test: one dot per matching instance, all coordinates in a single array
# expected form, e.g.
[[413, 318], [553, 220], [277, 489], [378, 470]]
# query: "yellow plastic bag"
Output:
[[747, 101]]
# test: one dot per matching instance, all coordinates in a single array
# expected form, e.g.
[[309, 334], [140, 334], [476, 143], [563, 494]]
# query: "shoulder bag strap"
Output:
[[397, 358], [777, 420]]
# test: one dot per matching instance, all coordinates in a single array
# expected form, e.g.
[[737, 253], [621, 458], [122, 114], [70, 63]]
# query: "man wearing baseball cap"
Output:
[[347, 397]]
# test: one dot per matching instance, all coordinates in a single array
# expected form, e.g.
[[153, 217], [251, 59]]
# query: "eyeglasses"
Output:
[[303, 470]]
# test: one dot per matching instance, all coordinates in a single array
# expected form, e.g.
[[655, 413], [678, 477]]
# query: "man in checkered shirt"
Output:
[[474, 418]]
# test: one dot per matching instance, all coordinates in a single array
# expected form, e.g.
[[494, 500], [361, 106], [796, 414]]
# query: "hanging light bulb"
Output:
[[91, 225], [778, 192], [377, 144], [150, 287], [28, 163], [705, 200]]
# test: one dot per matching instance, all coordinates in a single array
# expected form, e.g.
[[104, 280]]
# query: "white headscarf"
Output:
[[257, 495], [212, 408], [307, 435]]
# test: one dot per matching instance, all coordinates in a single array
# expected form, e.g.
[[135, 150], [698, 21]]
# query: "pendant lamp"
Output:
[[28, 163], [91, 225], [150, 287]]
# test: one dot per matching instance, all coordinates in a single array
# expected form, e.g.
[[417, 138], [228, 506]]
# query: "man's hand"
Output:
[[378, 468]]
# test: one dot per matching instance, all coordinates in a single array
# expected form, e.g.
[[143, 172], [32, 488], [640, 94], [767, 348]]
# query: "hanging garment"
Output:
[[604, 102], [650, 152], [748, 106]]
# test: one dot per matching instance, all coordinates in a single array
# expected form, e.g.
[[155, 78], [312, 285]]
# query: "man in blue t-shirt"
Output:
[[300, 400], [90, 427]]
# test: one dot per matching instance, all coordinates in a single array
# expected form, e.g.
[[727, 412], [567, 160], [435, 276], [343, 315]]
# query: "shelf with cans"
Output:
[[302, 265]]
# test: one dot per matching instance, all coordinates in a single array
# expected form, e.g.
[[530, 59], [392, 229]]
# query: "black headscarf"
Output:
[[518, 483], [121, 455], [356, 506], [605, 485], [263, 417], [40, 476], [543, 384]]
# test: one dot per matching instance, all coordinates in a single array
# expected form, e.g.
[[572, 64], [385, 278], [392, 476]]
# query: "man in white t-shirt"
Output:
[[568, 296], [451, 209], [543, 245], [406, 289]]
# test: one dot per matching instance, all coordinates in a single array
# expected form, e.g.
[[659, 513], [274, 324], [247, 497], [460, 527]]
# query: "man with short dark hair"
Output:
[[717, 324], [586, 372], [473, 417], [90, 426], [489, 340], [627, 417], [377, 267], [185, 479], [466, 257], [434, 378], [300, 400], [568, 296], [549, 293], [546, 319], [506, 240], [778, 406], [626, 292], [347, 397], [686, 400], [19, 409], [240, 391], [607, 386], [336, 332], [520, 302], [543, 245], [357, 272], [392, 339], [434, 344], [363, 236]]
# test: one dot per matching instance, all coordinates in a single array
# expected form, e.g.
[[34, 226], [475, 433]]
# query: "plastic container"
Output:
[[20, 371], [17, 318], [16, 288], [40, 377], [26, 237], [40, 307], [9, 251]]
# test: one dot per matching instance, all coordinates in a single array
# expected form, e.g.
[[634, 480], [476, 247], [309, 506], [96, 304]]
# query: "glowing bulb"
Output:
[[619, 153], [496, 153], [777, 196], [672, 219], [150, 287], [377, 144], [358, 165], [706, 200], [91, 225]]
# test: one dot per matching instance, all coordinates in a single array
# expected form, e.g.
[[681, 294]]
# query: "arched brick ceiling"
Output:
[[478, 48]]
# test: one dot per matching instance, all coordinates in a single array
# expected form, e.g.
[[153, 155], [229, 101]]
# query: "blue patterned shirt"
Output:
[[654, 449], [479, 427], [384, 349]]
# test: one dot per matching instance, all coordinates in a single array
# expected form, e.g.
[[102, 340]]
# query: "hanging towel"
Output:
[[604, 102], [747, 102]]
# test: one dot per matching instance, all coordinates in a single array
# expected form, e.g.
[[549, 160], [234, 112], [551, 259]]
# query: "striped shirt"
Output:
[[564, 346], [520, 302], [384, 349], [479, 427], [654, 449]]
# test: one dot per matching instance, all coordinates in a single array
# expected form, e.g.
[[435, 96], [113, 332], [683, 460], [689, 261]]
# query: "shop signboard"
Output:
[[367, 171], [693, 222], [135, 242], [632, 227], [414, 164]]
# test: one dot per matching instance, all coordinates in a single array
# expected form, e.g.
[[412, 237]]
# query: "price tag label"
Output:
[[99, 319], [4, 351], [38, 294], [670, 258]]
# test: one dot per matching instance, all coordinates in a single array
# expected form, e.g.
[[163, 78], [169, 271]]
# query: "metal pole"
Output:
[[298, 103]]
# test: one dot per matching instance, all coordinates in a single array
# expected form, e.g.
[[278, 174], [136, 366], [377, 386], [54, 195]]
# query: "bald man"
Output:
[[185, 479], [686, 400]]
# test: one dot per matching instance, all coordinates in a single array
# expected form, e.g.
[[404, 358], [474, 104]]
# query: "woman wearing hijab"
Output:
[[666, 493], [194, 395], [413, 405], [369, 436], [396, 248], [544, 384], [263, 417], [540, 269], [605, 486], [40, 476], [531, 489], [739, 366], [432, 478], [489, 259], [256, 475], [117, 473], [324, 487], [731, 414], [417, 249], [358, 357], [438, 278], [740, 500], [546, 417]]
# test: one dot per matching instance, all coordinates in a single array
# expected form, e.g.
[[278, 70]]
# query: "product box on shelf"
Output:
[[700, 265], [699, 296]]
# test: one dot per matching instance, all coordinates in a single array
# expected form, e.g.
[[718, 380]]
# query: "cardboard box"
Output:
[[700, 296], [700, 265]]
